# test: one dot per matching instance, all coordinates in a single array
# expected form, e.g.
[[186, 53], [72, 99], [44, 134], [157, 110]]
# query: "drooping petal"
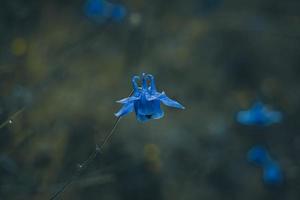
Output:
[[272, 174], [274, 116], [128, 99], [158, 112], [169, 102], [258, 155], [145, 107], [142, 118], [245, 117], [152, 96], [126, 108], [259, 116], [135, 85]]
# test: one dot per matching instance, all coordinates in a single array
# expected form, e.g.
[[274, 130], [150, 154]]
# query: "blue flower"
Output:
[[118, 13], [101, 11], [272, 174], [258, 155], [145, 100], [259, 114]]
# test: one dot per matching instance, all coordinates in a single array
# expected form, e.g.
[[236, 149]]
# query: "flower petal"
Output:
[[245, 117], [274, 116], [272, 174], [142, 118], [145, 107], [169, 102], [126, 108], [159, 113], [154, 96], [146, 110], [128, 99]]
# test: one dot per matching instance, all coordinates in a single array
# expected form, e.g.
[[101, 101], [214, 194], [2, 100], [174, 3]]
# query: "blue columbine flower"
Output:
[[145, 100], [101, 10], [259, 114], [272, 173]]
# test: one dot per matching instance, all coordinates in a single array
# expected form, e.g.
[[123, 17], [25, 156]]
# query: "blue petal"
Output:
[[145, 107], [94, 7], [146, 110], [258, 155], [128, 99], [252, 117], [272, 174], [142, 118], [159, 113], [273, 116], [258, 106], [153, 96], [259, 116], [126, 108], [145, 118], [245, 117], [169, 102], [118, 13]]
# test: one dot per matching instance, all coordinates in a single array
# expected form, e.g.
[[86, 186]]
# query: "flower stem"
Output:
[[89, 160], [12, 117]]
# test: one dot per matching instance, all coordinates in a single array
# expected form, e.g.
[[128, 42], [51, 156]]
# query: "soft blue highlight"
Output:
[[272, 173], [260, 115], [118, 13], [146, 100], [258, 155], [101, 11]]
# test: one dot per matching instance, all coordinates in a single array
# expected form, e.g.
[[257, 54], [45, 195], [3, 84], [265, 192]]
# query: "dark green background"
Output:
[[64, 73]]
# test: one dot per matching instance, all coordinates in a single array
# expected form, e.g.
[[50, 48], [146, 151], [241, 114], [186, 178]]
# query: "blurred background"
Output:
[[64, 63]]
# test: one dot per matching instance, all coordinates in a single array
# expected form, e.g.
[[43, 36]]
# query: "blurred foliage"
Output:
[[63, 73]]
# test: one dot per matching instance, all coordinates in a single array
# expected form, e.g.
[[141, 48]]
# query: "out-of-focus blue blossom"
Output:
[[100, 11], [258, 155], [259, 114], [145, 100], [118, 13], [272, 174]]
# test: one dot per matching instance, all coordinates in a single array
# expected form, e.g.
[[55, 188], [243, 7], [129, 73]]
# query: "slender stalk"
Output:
[[11, 118], [89, 160]]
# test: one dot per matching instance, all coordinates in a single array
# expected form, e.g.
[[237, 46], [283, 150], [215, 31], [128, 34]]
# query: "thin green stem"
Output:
[[11, 118], [89, 160]]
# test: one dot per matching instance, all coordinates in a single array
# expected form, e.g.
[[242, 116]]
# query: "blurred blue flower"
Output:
[[258, 155], [118, 13], [259, 114], [145, 100], [100, 11], [272, 174]]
